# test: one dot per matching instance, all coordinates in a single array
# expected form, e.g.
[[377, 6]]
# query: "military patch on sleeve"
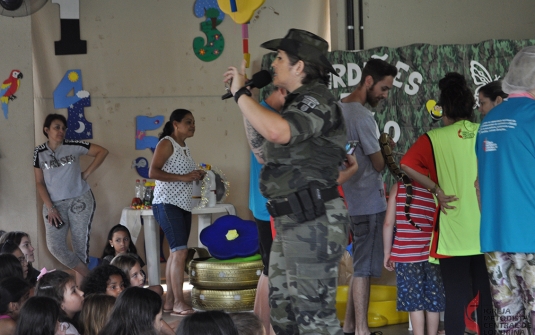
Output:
[[307, 103]]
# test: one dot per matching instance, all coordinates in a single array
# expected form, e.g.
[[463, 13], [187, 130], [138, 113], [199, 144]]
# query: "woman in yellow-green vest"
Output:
[[444, 161]]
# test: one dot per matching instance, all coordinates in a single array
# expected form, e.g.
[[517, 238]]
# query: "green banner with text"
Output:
[[405, 113]]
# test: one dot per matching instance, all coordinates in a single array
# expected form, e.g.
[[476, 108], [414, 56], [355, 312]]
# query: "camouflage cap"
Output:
[[305, 45]]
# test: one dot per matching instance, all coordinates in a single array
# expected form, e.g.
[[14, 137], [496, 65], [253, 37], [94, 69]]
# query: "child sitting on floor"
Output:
[[14, 291], [129, 264], [119, 242], [61, 287], [107, 279]]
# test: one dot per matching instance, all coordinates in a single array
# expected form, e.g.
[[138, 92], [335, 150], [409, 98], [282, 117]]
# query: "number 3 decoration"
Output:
[[215, 42]]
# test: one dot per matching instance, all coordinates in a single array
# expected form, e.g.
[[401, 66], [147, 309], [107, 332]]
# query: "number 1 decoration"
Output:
[[70, 42], [78, 128]]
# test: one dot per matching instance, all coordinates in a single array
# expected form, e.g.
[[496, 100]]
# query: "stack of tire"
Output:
[[228, 285]]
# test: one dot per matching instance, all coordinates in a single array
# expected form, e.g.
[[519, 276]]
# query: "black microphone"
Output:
[[259, 80]]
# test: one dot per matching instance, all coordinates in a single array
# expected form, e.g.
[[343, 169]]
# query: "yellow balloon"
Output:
[[245, 9]]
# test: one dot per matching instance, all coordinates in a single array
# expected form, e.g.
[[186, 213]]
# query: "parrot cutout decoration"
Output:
[[78, 128], [9, 88], [215, 42]]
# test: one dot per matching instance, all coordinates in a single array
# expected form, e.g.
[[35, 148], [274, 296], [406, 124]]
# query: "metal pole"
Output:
[[350, 21]]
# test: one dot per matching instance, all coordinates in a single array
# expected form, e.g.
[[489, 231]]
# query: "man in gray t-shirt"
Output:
[[364, 191]]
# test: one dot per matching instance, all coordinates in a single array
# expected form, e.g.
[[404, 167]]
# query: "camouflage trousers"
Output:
[[512, 282], [303, 272]]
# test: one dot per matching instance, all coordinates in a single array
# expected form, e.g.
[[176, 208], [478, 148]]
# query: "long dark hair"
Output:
[[207, 323], [134, 313], [493, 90], [12, 289], [456, 99], [177, 115], [10, 267], [52, 285], [51, 117], [312, 71], [38, 316], [108, 249], [8, 247], [16, 236]]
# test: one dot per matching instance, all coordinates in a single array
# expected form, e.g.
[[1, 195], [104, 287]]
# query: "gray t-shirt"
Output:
[[61, 169], [364, 191]]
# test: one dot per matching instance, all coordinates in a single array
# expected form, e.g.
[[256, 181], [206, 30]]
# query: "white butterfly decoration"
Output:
[[481, 77]]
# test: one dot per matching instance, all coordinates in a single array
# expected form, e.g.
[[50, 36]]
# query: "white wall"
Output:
[[17, 191]]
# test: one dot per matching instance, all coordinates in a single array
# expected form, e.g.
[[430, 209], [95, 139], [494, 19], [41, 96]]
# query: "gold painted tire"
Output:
[[226, 300], [224, 276]]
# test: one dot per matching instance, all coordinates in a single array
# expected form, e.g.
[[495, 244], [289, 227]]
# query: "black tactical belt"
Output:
[[280, 207]]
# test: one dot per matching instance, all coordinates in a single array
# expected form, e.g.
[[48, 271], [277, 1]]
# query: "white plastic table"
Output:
[[151, 230]]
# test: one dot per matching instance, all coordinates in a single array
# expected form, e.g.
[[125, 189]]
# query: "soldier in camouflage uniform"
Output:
[[303, 149]]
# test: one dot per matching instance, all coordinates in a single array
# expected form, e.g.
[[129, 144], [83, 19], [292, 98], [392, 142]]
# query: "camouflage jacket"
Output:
[[316, 147]]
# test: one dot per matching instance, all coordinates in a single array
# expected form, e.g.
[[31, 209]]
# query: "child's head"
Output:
[[247, 323], [10, 247], [209, 322], [129, 264], [96, 312], [61, 287], [22, 239], [119, 241], [14, 291], [137, 311], [10, 266], [107, 279], [39, 315]]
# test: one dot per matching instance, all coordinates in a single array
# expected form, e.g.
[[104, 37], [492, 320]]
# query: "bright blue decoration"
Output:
[[141, 164], [78, 128], [201, 6], [144, 124], [245, 245]]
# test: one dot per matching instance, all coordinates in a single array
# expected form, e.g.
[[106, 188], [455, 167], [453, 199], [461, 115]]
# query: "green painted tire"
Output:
[[205, 274], [226, 300]]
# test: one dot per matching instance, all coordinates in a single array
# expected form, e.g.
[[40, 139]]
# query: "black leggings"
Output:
[[464, 277], [265, 239]]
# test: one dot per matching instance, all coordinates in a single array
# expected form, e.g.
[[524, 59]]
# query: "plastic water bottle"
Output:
[[137, 199], [138, 189], [147, 199], [143, 189], [210, 186]]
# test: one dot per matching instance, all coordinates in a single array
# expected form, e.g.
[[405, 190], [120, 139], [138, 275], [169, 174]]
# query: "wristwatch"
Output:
[[240, 92]]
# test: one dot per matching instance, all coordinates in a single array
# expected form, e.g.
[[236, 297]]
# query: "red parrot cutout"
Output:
[[9, 88]]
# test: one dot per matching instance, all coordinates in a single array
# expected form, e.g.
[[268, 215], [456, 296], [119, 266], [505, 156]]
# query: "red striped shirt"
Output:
[[410, 244]]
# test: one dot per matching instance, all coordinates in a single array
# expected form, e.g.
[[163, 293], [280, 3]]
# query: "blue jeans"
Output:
[[175, 223]]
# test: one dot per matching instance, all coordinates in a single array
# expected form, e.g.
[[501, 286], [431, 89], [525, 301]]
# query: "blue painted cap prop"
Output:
[[230, 236]]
